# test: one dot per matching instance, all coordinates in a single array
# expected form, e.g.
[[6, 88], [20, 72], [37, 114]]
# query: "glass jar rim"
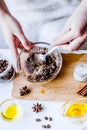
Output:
[[56, 72], [8, 67]]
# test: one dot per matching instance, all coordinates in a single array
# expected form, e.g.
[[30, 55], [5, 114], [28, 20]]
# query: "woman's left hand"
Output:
[[75, 31]]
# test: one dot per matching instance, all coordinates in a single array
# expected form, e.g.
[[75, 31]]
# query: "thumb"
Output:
[[25, 42], [14, 51]]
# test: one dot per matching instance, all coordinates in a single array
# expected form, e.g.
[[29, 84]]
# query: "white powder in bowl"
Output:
[[80, 72]]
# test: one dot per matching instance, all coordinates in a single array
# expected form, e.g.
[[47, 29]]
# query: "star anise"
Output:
[[24, 91], [37, 107]]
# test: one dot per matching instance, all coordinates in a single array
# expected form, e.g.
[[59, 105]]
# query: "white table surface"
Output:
[[28, 120]]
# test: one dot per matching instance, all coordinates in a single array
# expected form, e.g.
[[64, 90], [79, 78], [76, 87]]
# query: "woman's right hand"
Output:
[[14, 36], [13, 33]]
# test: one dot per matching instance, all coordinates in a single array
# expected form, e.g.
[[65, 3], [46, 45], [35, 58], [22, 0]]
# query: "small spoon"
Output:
[[44, 57]]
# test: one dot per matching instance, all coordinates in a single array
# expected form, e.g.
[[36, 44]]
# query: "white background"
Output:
[[28, 122]]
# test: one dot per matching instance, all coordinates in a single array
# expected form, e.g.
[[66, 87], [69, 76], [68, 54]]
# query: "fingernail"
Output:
[[27, 47]]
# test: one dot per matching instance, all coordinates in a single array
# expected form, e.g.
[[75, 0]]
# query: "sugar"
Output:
[[80, 72]]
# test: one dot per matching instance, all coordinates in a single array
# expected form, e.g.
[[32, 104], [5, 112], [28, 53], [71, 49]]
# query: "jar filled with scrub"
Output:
[[7, 71], [35, 69]]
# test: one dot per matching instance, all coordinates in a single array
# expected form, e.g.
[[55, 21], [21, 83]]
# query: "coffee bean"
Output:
[[38, 120], [43, 126], [48, 126], [50, 119], [45, 118]]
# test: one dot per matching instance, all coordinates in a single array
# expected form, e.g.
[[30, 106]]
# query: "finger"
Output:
[[20, 46], [67, 26], [10, 40], [18, 43], [60, 36], [65, 47], [75, 44], [14, 51], [25, 42], [69, 36]]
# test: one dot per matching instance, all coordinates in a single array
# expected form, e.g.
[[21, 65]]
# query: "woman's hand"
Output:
[[75, 31], [13, 32], [14, 36]]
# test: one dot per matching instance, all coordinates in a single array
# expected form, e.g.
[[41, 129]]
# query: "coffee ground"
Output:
[[43, 70]]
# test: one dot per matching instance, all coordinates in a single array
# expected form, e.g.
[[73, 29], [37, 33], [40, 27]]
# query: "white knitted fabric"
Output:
[[42, 20], [41, 10]]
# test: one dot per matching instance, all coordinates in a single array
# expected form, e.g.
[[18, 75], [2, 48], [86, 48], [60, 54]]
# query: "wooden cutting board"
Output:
[[63, 88]]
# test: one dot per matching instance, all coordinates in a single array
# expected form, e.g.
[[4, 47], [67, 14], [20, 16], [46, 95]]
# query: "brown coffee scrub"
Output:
[[41, 70], [6, 71]]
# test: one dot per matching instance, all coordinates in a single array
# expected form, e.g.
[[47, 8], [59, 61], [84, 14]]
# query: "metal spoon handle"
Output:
[[52, 49], [43, 57]]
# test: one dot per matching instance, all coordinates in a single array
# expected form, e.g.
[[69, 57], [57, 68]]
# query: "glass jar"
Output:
[[7, 71], [39, 74]]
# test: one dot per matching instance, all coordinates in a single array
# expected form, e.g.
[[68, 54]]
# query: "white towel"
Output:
[[42, 20]]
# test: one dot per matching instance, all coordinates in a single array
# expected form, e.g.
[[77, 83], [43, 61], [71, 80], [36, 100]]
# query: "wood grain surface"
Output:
[[63, 88]]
